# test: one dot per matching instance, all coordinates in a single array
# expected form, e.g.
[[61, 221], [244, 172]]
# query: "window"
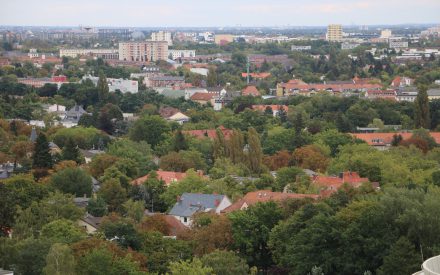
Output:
[[185, 219]]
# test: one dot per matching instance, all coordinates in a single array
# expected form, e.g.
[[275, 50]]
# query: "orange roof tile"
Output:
[[167, 176], [202, 96], [252, 198], [250, 90]]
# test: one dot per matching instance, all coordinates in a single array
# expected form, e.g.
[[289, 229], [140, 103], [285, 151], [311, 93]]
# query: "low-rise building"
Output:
[[165, 81], [398, 44], [101, 53], [250, 91], [123, 85], [276, 109], [433, 94], [328, 185], [383, 141], [262, 196], [407, 94], [189, 204], [176, 54], [301, 48]]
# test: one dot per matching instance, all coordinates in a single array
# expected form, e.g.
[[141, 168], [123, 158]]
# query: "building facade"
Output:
[[176, 54], [102, 53], [334, 33], [162, 36], [143, 51]]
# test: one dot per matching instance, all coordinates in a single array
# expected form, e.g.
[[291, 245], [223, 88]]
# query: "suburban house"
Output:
[[73, 116], [189, 204], [330, 184], [224, 98], [275, 108], [209, 133], [433, 94], [382, 141], [252, 198], [173, 114], [381, 94], [167, 176], [203, 98], [399, 81], [90, 223], [250, 91]]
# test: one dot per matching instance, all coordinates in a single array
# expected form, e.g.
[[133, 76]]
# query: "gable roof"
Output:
[[381, 139], [167, 176], [330, 184], [202, 96], [252, 198], [250, 90], [178, 117], [190, 203]]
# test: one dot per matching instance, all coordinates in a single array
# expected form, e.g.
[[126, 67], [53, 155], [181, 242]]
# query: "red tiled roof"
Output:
[[202, 96], [330, 184], [358, 84], [209, 133], [167, 176], [252, 198], [262, 108], [250, 90], [387, 138]]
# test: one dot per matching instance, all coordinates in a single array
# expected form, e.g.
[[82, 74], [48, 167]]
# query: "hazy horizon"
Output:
[[226, 13]]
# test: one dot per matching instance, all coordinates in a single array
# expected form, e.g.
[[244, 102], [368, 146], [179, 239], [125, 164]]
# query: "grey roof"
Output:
[[190, 203], [96, 185], [81, 201], [173, 93], [33, 136], [433, 92], [5, 272], [167, 78], [92, 220]]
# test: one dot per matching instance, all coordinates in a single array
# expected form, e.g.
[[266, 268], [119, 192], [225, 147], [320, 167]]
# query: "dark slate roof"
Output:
[[433, 92], [92, 220], [190, 203]]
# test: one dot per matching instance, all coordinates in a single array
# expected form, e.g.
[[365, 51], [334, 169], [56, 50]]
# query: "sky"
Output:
[[217, 13]]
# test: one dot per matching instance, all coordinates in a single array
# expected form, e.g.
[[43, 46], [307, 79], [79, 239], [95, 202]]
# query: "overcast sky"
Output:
[[183, 13]]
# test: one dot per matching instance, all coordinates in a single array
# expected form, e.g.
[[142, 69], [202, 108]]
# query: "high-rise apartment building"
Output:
[[334, 32], [162, 36], [143, 51]]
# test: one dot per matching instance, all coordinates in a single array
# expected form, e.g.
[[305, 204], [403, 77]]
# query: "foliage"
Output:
[[74, 181]]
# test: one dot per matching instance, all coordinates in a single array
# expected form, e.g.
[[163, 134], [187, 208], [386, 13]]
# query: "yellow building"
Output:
[[334, 33]]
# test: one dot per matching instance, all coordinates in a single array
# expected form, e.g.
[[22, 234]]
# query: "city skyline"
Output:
[[198, 13]]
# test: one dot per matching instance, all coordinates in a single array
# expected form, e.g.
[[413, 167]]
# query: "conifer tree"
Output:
[[71, 151], [180, 142], [102, 88], [42, 157], [219, 147], [421, 110]]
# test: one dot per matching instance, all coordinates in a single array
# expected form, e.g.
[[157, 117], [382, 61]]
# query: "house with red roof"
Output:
[[299, 87], [275, 108], [330, 184], [255, 197], [250, 91], [402, 81], [168, 177], [209, 133], [382, 141]]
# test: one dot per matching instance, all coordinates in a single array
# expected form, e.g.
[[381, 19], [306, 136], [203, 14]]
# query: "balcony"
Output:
[[430, 267]]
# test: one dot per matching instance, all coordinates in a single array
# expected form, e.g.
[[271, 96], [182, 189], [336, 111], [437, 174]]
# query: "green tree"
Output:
[[212, 77], [62, 231], [60, 260], [103, 90], [255, 153], [97, 207], [401, 259], [74, 181], [225, 263], [421, 110], [31, 256], [180, 142], [113, 194], [194, 267], [41, 157], [71, 151], [152, 129], [251, 228], [134, 209]]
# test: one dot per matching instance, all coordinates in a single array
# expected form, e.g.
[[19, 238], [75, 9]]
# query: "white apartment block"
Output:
[[349, 46], [398, 44], [123, 85], [162, 36], [176, 54], [386, 34], [104, 53], [301, 48], [143, 51]]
